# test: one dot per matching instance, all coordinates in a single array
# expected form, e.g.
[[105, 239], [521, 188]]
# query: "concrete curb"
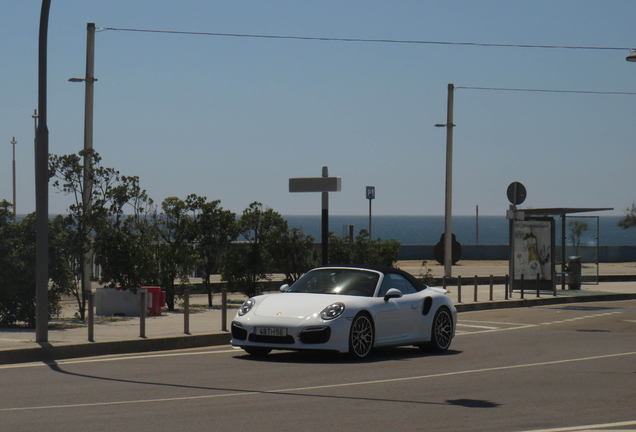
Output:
[[50, 353]]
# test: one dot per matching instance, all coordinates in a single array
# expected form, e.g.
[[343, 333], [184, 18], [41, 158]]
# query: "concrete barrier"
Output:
[[114, 302]]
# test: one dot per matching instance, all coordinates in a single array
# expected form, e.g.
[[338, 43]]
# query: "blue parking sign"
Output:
[[370, 192]]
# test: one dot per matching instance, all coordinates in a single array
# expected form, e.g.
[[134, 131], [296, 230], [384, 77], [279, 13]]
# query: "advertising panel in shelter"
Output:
[[533, 249]]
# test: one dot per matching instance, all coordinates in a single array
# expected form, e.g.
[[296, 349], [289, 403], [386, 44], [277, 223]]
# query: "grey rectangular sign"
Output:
[[315, 184]]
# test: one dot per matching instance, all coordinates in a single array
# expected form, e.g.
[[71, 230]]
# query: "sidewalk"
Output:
[[68, 338]]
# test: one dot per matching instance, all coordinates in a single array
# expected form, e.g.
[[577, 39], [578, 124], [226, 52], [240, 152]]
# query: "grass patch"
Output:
[[235, 301]]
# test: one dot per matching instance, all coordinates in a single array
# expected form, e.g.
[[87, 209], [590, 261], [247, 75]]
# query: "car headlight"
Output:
[[246, 306], [332, 311]]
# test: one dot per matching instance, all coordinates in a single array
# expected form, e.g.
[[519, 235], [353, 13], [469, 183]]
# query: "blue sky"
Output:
[[234, 118]]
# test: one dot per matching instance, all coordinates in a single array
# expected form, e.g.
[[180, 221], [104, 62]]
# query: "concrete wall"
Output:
[[606, 254]]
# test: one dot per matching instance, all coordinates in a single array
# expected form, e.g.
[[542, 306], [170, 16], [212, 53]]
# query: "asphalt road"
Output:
[[507, 370]]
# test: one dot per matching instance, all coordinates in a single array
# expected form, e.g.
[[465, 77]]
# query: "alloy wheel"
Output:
[[442, 330], [361, 337]]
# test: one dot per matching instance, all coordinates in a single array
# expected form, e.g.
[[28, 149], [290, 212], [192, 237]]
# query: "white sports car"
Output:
[[349, 310]]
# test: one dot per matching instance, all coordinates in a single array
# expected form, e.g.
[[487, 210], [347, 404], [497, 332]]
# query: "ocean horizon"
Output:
[[427, 230]]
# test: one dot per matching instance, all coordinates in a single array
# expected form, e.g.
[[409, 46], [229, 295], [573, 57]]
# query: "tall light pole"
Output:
[[42, 188], [89, 80], [448, 208], [14, 142]]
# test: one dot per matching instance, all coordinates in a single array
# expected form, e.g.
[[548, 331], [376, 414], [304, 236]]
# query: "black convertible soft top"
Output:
[[419, 286]]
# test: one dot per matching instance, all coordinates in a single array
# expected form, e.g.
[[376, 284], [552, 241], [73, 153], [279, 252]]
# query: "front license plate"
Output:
[[271, 331]]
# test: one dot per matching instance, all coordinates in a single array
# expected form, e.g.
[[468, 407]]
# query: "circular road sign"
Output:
[[516, 193]]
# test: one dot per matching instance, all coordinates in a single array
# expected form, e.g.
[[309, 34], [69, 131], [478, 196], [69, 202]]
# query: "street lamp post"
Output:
[[631, 57], [14, 142], [448, 208], [42, 188]]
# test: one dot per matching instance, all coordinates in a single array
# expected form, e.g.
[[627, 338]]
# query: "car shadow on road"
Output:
[[322, 357]]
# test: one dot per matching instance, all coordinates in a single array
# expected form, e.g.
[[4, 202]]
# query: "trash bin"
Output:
[[574, 273], [158, 300]]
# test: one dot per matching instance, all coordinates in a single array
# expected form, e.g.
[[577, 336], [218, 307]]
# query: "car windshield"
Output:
[[337, 281]]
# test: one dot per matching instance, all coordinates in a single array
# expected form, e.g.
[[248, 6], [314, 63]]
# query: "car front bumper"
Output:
[[325, 335]]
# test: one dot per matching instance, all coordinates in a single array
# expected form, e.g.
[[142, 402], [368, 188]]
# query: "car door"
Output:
[[396, 317]]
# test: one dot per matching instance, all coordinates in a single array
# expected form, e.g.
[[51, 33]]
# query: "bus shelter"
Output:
[[532, 246]]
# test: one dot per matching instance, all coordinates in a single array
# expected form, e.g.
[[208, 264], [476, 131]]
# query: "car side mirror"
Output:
[[284, 288], [392, 293]]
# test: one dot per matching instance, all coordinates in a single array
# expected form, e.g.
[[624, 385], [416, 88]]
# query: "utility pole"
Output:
[[87, 290], [87, 192], [448, 208], [14, 142]]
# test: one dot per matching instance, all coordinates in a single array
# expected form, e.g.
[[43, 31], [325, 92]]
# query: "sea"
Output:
[[485, 230], [427, 230]]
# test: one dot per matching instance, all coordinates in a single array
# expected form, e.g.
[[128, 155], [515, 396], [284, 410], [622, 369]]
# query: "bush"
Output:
[[363, 250]]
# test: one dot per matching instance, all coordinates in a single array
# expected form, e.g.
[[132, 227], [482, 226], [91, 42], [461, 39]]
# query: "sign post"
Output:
[[516, 194], [324, 184], [370, 197]]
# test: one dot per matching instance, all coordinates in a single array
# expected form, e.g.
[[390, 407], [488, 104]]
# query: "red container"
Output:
[[158, 300]]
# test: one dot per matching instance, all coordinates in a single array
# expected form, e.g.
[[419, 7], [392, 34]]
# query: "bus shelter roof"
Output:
[[561, 211]]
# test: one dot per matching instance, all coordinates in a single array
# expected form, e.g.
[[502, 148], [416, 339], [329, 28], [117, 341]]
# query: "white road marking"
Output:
[[495, 330], [490, 322], [591, 427], [477, 326], [581, 318], [489, 328], [322, 387]]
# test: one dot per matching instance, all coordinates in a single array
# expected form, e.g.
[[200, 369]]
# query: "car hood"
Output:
[[294, 305]]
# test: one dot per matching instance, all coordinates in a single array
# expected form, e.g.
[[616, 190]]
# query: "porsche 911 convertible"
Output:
[[349, 310]]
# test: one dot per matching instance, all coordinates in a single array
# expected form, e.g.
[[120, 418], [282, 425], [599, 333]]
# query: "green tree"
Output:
[[63, 262], [249, 262], [577, 229], [176, 252], [340, 250], [84, 217], [630, 217], [126, 244], [213, 230], [292, 251], [17, 269]]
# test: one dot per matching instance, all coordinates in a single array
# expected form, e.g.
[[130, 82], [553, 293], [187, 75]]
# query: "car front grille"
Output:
[[285, 340]]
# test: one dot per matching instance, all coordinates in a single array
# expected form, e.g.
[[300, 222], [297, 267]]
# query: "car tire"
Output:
[[257, 351], [442, 330], [361, 336]]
